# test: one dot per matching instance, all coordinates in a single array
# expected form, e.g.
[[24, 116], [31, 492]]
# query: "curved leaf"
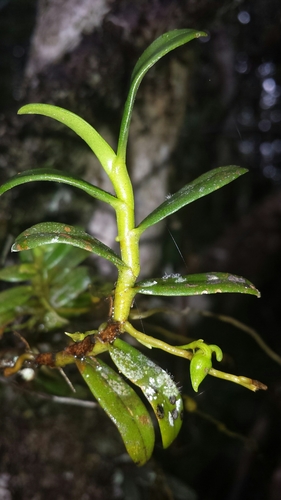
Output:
[[52, 174], [159, 48], [196, 284], [122, 405], [56, 232], [15, 297], [69, 287], [17, 273], [203, 185], [155, 383], [59, 256], [97, 144]]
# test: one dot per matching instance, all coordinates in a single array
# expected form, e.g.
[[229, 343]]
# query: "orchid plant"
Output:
[[116, 397]]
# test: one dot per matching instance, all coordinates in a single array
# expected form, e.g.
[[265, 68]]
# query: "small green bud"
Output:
[[200, 366], [78, 337]]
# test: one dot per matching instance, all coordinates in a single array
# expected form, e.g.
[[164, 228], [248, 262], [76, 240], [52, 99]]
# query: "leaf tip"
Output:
[[17, 248], [21, 111], [29, 108], [244, 170], [201, 33], [257, 293]]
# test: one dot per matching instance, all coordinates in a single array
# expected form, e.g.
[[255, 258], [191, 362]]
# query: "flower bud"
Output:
[[200, 366]]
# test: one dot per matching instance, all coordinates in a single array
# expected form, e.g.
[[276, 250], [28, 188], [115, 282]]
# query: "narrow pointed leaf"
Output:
[[60, 256], [82, 304], [203, 185], [14, 297], [17, 273], [69, 287], [159, 48], [196, 284], [155, 383], [56, 232], [122, 405], [97, 144], [52, 174]]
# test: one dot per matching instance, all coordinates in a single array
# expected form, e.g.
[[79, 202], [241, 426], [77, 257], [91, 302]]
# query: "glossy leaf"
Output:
[[122, 405], [196, 284], [69, 286], [14, 297], [77, 306], [200, 365], [203, 185], [17, 273], [97, 144], [159, 48], [56, 232], [60, 256], [155, 383], [50, 174]]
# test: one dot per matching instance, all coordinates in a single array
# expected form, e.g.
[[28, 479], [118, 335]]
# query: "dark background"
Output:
[[215, 102]]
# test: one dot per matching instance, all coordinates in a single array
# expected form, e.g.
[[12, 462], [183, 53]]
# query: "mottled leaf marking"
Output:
[[155, 383], [122, 405]]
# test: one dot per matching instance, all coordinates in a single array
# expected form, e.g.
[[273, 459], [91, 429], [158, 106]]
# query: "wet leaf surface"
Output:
[[122, 405], [196, 284], [55, 232], [155, 383], [202, 186]]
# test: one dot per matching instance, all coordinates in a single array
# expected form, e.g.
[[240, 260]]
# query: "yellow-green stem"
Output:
[[129, 242], [152, 342], [249, 383]]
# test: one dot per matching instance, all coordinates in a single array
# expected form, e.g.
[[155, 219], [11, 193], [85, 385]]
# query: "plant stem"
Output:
[[247, 382], [152, 342], [148, 341], [129, 242]]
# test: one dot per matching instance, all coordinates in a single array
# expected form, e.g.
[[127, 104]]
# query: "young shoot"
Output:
[[116, 397]]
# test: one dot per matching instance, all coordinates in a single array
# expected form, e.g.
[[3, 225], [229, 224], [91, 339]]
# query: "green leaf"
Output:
[[63, 257], [78, 306], [6, 317], [56, 232], [203, 185], [155, 383], [69, 287], [97, 144], [27, 258], [159, 48], [14, 297], [196, 284], [17, 273], [51, 174], [122, 405], [51, 321]]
